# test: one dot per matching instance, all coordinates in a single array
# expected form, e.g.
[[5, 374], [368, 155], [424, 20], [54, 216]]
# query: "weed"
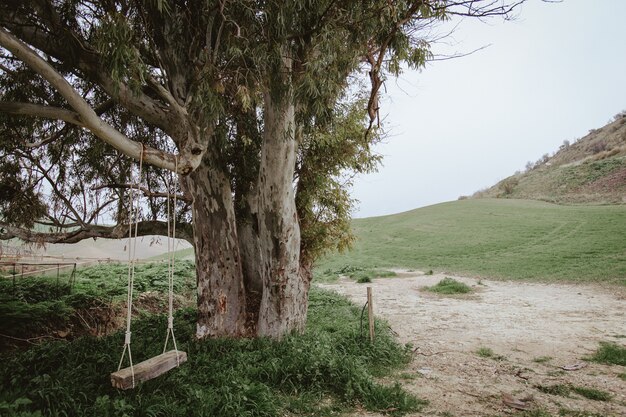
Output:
[[564, 412], [542, 359], [622, 376], [592, 393], [361, 275], [610, 353], [429, 272], [366, 275], [449, 286], [538, 412], [485, 352], [562, 390]]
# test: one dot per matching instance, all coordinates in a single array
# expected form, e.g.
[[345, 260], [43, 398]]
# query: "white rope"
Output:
[[132, 252], [171, 239]]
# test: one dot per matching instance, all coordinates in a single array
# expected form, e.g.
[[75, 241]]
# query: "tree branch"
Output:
[[144, 228], [146, 191], [38, 110], [91, 120], [61, 42]]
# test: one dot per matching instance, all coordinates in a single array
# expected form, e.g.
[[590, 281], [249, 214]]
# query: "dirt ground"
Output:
[[534, 328]]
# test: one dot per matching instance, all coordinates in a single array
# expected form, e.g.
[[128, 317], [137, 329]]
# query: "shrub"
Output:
[[449, 286], [508, 185], [598, 147]]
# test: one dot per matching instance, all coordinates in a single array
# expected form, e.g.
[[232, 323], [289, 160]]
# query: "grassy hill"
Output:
[[591, 170], [497, 238]]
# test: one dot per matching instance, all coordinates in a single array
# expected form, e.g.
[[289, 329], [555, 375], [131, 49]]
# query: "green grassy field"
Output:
[[495, 238], [51, 365]]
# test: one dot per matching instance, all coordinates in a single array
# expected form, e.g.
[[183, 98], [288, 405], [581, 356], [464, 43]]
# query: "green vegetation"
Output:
[[535, 413], [449, 286], [361, 275], [542, 359], [564, 412], [37, 307], [622, 376], [593, 181], [610, 353], [327, 370], [592, 393], [591, 170], [511, 239], [564, 390], [557, 389], [485, 352]]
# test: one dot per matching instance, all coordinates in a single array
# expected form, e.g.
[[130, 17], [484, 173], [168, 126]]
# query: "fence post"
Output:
[[370, 313]]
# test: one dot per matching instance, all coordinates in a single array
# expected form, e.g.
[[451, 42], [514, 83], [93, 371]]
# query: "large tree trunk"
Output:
[[285, 290], [249, 248], [221, 295]]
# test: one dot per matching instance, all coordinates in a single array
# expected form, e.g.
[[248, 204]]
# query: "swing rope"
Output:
[[132, 259], [171, 258]]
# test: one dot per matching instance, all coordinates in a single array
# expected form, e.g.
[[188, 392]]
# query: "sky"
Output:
[[460, 125]]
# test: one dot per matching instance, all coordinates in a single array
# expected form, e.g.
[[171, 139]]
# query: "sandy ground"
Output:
[[520, 322]]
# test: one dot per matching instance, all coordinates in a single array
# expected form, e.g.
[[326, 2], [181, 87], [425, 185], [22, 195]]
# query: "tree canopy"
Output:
[[264, 108]]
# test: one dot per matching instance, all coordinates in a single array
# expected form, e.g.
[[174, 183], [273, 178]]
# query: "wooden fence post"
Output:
[[370, 313]]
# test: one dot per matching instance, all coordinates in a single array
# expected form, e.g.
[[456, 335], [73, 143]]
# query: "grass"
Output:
[[361, 275], [542, 359], [449, 286], [485, 352], [564, 412], [38, 306], [496, 238], [564, 390], [622, 376], [592, 393], [610, 353], [327, 370]]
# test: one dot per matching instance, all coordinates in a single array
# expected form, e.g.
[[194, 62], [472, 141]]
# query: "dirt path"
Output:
[[520, 322]]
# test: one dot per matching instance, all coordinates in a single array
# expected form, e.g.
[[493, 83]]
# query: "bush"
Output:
[[449, 286], [508, 185], [598, 147]]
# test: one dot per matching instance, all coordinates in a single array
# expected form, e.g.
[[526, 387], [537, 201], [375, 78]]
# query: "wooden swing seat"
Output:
[[148, 369]]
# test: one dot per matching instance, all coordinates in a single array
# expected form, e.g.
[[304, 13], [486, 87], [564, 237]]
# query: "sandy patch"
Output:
[[102, 249], [519, 321]]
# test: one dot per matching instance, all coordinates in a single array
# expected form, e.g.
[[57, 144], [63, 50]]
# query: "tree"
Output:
[[249, 102]]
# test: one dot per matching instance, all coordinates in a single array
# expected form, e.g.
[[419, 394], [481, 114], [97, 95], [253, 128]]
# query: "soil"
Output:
[[532, 329]]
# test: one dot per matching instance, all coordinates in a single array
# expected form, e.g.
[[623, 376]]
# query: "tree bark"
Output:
[[249, 248], [221, 294], [285, 289]]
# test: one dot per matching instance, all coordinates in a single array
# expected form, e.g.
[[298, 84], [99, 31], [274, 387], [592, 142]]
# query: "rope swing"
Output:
[[158, 365]]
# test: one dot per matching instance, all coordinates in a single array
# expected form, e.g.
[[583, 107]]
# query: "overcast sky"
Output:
[[460, 125]]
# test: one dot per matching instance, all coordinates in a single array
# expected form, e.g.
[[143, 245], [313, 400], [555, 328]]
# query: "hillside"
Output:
[[493, 238], [591, 170]]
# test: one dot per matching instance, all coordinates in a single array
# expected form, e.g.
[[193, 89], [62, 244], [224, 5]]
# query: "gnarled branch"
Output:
[[89, 117], [120, 231]]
